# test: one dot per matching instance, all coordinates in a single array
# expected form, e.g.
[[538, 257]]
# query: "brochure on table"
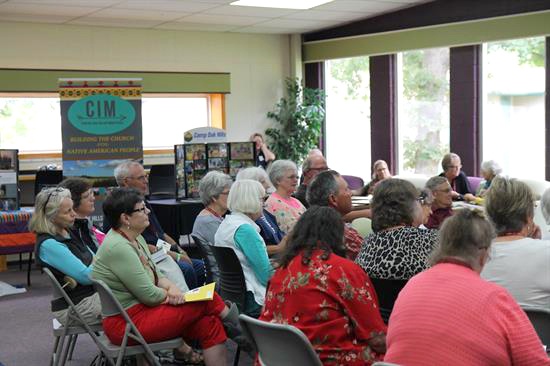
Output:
[[9, 179]]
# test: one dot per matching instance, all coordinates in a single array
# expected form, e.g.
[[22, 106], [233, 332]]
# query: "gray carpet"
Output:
[[26, 326]]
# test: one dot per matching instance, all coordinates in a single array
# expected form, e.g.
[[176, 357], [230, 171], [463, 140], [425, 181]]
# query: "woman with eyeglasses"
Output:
[[286, 209], [397, 249], [520, 260], [449, 315], [64, 254], [239, 232], [155, 305], [462, 191]]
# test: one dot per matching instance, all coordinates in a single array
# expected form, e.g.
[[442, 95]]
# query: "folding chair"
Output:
[[541, 322], [76, 325], [204, 251], [115, 354], [279, 344], [232, 285]]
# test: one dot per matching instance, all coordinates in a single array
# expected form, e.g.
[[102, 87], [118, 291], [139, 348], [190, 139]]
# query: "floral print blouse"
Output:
[[286, 211], [333, 302]]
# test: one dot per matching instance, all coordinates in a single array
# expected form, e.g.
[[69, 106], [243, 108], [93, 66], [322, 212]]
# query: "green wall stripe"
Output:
[[23, 80], [454, 34]]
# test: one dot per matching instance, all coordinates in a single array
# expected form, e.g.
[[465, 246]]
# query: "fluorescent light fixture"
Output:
[[282, 4]]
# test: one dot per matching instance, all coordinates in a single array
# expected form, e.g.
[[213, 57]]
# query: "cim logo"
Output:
[[101, 114]]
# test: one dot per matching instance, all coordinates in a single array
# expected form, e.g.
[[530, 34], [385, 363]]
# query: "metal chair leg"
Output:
[[53, 358], [29, 270], [72, 345], [237, 355]]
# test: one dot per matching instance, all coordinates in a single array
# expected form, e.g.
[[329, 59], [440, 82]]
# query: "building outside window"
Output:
[[513, 106]]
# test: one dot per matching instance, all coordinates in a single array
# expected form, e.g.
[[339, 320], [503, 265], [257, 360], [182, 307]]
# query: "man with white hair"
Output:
[[314, 164], [131, 174]]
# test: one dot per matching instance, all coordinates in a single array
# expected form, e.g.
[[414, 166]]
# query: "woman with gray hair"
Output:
[[286, 209], [213, 191], [63, 254], [239, 232], [520, 260], [463, 320], [451, 164], [396, 250], [269, 229], [489, 170]]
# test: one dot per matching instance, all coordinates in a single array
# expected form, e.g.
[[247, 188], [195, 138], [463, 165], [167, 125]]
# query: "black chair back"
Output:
[[232, 284], [162, 181], [387, 291], [203, 252], [541, 323], [47, 178]]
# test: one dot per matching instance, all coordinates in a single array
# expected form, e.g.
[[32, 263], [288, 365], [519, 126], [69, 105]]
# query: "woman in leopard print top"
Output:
[[396, 249]]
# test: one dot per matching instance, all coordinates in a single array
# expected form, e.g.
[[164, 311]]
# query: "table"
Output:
[[360, 202], [177, 217], [15, 237]]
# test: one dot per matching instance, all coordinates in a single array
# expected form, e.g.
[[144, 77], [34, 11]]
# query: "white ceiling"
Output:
[[195, 15]]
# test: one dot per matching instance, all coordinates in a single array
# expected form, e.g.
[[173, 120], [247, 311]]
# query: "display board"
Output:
[[193, 161], [9, 178]]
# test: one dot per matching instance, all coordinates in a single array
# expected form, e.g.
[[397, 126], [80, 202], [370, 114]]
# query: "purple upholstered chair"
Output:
[[474, 183], [353, 181]]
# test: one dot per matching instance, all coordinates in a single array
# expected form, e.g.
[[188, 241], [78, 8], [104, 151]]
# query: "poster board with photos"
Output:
[[242, 155], [9, 179], [195, 167], [179, 154], [218, 158]]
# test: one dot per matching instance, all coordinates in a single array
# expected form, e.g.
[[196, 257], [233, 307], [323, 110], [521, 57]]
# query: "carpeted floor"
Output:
[[26, 325]]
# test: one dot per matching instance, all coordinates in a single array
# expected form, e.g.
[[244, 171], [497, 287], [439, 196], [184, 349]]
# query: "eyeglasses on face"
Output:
[[142, 209], [141, 178]]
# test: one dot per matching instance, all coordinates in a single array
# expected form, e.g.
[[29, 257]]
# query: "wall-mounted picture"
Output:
[[8, 159]]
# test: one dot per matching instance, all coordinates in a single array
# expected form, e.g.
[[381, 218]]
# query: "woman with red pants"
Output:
[[155, 305]]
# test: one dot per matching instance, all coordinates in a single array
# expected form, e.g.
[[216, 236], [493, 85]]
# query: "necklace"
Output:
[[213, 212]]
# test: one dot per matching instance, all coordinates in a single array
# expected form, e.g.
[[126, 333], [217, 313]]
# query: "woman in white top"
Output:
[[520, 261]]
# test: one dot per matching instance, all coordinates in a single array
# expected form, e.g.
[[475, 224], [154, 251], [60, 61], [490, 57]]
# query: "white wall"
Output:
[[257, 63]]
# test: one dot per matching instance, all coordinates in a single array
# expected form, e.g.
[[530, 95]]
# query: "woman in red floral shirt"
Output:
[[326, 296]]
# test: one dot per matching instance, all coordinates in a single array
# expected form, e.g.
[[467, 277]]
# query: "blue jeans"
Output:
[[194, 274]]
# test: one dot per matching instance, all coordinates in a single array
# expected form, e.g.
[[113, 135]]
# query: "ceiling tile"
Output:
[[114, 22], [358, 6], [135, 14], [338, 16], [196, 27], [265, 30], [250, 11], [85, 3], [166, 5], [41, 9], [294, 24], [34, 18], [222, 19]]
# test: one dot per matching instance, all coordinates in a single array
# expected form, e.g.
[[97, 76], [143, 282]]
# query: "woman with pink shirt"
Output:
[[286, 209], [449, 315]]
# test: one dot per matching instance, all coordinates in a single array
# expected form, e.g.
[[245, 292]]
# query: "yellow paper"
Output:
[[202, 293]]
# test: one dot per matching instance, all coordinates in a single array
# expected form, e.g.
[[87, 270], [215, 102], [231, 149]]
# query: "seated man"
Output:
[[330, 189], [313, 165], [442, 201], [461, 190], [131, 174]]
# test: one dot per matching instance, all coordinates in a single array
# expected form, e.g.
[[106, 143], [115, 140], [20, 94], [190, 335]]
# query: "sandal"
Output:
[[191, 357]]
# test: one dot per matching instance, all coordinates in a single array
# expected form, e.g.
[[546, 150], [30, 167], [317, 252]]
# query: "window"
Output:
[[513, 106], [32, 122], [348, 116], [423, 110]]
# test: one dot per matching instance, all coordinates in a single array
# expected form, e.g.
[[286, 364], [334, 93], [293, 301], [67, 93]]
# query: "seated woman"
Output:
[[286, 209], [396, 250], [489, 170], [83, 206], [239, 232], [63, 253], [448, 315], [520, 261], [442, 203], [451, 165], [324, 295], [213, 190], [380, 171], [426, 200], [273, 236], [155, 305]]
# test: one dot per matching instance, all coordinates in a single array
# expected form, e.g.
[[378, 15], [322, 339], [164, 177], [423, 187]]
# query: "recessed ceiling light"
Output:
[[282, 4]]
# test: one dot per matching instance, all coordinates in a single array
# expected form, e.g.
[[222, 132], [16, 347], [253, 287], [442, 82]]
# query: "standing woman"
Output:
[[64, 255], [83, 206], [264, 156], [286, 209], [325, 295]]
